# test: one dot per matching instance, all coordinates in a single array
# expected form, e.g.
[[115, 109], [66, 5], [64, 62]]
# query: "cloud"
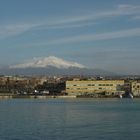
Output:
[[120, 10], [129, 9], [92, 17], [136, 17], [96, 37], [73, 21], [75, 25], [17, 29], [14, 29], [134, 32]]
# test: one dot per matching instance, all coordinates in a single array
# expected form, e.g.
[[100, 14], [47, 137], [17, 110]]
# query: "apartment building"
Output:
[[85, 87]]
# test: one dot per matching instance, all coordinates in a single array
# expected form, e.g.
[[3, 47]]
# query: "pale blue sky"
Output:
[[97, 33]]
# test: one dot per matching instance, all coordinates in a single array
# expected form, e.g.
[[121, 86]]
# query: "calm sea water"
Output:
[[71, 119]]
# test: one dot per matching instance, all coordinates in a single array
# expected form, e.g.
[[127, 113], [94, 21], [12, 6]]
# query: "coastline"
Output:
[[13, 96]]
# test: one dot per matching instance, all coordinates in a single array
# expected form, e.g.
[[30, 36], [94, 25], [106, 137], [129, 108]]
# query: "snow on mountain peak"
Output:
[[44, 62]]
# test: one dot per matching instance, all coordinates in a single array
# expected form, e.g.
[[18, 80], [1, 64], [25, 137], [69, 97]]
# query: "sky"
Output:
[[102, 34]]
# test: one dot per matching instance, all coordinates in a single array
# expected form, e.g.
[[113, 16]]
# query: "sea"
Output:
[[70, 119]]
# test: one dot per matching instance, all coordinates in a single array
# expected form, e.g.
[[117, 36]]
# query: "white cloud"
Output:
[[14, 29], [134, 32], [17, 29], [120, 10], [75, 25], [95, 37], [70, 21]]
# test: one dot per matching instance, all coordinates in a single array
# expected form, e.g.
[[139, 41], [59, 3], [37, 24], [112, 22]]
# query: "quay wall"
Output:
[[8, 96]]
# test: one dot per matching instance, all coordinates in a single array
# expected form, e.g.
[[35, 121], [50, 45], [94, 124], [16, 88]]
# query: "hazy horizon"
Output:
[[92, 33]]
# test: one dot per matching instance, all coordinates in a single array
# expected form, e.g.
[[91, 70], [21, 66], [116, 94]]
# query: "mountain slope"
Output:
[[51, 66], [53, 71]]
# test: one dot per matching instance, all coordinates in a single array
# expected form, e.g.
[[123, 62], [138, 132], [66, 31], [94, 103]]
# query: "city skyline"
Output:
[[96, 34]]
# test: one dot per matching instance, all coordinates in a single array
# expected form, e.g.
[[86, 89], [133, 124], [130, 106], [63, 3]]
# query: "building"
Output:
[[136, 88], [127, 86], [94, 87]]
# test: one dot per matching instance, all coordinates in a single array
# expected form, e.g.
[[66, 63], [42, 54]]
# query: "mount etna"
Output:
[[52, 66]]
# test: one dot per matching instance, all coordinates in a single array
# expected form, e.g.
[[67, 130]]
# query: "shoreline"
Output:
[[8, 96], [13, 96]]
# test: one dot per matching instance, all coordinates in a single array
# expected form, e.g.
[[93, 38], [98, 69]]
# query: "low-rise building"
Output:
[[136, 88], [94, 87]]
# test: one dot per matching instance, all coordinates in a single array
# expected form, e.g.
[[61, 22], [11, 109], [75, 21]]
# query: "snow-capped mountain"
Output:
[[51, 66], [44, 62]]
